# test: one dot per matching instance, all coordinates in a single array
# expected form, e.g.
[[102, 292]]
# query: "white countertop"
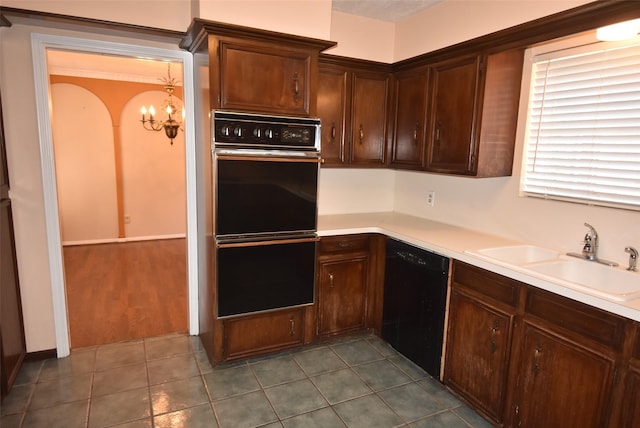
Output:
[[453, 241]]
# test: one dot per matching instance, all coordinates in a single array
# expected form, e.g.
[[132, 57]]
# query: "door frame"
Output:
[[39, 45]]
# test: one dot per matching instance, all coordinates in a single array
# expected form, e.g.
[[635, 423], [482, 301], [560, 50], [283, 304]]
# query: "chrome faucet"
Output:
[[590, 248], [633, 258]]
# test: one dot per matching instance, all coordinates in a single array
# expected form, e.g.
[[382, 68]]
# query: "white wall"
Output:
[[344, 191]]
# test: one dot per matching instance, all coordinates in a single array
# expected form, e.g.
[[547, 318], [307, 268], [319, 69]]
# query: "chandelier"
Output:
[[171, 126]]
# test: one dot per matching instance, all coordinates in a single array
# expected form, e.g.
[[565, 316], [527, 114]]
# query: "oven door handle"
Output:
[[300, 159], [267, 242]]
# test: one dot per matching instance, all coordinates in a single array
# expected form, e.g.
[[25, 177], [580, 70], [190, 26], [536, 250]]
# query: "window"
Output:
[[583, 127]]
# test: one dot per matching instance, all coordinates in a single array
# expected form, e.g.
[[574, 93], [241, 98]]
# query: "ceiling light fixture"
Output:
[[171, 126], [620, 31]]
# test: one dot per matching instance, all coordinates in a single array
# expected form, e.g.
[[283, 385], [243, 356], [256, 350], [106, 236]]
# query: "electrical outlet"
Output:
[[431, 198]]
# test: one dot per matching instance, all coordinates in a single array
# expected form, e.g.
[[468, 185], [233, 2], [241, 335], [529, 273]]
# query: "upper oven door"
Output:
[[265, 194]]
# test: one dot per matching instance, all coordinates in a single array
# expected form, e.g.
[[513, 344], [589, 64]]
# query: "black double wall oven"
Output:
[[265, 211]]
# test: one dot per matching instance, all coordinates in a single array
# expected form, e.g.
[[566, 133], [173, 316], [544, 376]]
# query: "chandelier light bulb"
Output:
[[152, 111]]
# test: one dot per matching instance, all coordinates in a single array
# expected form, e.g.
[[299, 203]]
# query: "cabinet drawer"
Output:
[[344, 243], [588, 322], [258, 334], [489, 284]]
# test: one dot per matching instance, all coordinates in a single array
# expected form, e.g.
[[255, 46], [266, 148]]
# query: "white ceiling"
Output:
[[384, 10]]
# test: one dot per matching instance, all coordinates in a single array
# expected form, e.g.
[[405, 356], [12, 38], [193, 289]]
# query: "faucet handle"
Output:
[[633, 258]]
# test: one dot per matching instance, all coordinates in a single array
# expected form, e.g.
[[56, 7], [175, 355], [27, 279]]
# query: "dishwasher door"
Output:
[[415, 292]]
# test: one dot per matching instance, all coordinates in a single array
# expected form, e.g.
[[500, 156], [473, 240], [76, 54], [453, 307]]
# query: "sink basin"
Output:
[[594, 278], [518, 254]]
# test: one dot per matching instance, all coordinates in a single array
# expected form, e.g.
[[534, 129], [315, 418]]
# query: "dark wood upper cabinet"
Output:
[[473, 114], [410, 121], [334, 102], [353, 105], [261, 77], [258, 71], [455, 86]]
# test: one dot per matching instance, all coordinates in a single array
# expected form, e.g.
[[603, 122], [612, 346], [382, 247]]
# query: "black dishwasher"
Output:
[[415, 293]]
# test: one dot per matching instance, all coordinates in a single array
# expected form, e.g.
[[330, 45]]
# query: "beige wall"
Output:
[[454, 21], [168, 14], [310, 18], [85, 167]]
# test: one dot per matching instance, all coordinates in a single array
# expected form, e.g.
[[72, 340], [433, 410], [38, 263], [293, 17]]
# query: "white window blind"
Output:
[[583, 132]]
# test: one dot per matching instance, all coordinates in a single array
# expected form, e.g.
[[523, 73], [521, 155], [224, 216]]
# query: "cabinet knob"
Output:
[[415, 134], [333, 131], [361, 134], [292, 325], [330, 280]]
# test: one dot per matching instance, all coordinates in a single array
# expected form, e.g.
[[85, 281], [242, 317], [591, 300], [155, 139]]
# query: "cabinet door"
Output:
[[264, 78], [455, 87], [368, 118], [479, 339], [410, 119], [560, 383], [631, 411], [342, 295], [332, 110], [258, 334]]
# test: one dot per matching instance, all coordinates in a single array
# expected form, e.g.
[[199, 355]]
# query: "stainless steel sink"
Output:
[[606, 281]]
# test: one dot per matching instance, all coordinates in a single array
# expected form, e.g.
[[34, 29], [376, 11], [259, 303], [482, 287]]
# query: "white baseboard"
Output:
[[121, 240]]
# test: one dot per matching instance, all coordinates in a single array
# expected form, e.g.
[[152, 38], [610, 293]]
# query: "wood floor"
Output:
[[125, 291]]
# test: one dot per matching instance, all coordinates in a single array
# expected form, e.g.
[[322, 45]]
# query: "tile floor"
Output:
[[167, 381]]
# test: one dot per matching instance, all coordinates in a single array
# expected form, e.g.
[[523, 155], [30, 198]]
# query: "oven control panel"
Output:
[[233, 129]]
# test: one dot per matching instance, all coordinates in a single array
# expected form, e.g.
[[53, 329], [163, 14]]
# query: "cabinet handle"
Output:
[[296, 88], [438, 126], [361, 133], [333, 131], [536, 355], [415, 134], [494, 329], [330, 280], [292, 325]]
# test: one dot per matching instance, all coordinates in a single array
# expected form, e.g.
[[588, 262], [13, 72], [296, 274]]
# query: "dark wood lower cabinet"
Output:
[[343, 284], [482, 310], [477, 361], [528, 358], [561, 383], [342, 295], [261, 333]]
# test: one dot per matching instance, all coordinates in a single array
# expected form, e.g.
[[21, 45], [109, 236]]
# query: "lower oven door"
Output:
[[265, 275]]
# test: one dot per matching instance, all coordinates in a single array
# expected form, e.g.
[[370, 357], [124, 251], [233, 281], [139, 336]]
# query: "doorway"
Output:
[[121, 197], [41, 44]]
